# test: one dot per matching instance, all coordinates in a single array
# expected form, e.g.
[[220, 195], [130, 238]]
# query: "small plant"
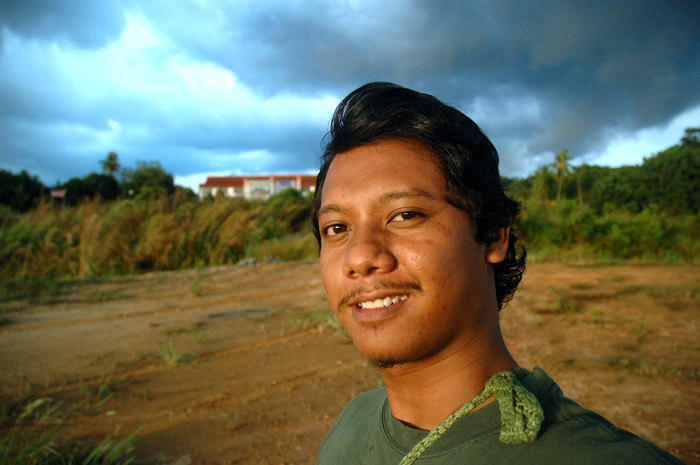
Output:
[[583, 286], [41, 411], [679, 292], [196, 286], [563, 305], [321, 321], [599, 318], [613, 278], [100, 296], [104, 391], [171, 356], [640, 330], [19, 449], [567, 306], [30, 448], [111, 451], [173, 332], [197, 331], [41, 290], [626, 290], [100, 395]]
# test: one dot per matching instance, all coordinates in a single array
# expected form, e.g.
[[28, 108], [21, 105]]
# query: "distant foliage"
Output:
[[110, 164], [155, 233], [22, 192], [649, 211], [568, 229], [90, 187], [673, 179], [667, 181], [148, 178], [19, 192]]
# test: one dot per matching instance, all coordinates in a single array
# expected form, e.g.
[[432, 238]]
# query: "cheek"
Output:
[[450, 264], [325, 261], [430, 259], [330, 274]]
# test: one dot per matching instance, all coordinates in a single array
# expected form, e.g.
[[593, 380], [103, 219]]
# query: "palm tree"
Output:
[[110, 164]]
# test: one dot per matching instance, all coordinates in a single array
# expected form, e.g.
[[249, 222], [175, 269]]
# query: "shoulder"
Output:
[[356, 424], [582, 436]]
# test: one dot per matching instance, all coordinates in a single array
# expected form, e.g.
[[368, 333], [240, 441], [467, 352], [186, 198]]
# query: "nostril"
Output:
[[368, 260]]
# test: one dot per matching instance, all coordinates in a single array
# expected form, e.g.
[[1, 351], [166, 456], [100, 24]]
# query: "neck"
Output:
[[423, 393]]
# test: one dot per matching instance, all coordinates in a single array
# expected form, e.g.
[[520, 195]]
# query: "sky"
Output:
[[215, 87]]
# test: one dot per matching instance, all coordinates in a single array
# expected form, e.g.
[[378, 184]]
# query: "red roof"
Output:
[[237, 181], [223, 181], [308, 181]]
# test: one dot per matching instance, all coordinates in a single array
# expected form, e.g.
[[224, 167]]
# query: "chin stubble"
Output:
[[385, 362]]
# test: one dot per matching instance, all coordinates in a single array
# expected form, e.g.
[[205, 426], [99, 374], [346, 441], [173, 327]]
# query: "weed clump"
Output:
[[45, 245], [33, 436]]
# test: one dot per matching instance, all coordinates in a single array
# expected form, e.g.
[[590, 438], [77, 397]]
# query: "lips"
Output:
[[376, 310]]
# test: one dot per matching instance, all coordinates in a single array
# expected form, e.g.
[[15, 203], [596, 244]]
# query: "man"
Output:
[[418, 256]]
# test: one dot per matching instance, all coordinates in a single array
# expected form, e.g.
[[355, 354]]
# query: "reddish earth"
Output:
[[244, 364]]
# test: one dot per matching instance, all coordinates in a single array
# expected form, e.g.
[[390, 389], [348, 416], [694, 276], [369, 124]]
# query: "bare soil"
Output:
[[245, 364]]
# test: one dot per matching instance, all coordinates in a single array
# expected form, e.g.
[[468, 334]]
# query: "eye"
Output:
[[406, 216], [334, 229]]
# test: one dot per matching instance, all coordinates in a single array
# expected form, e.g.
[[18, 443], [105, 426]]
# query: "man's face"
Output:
[[402, 270]]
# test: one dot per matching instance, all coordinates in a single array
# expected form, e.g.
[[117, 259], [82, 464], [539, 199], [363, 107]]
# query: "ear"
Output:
[[496, 251]]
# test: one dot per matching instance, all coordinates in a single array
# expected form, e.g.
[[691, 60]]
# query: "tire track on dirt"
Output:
[[129, 373], [57, 324], [25, 326], [222, 402]]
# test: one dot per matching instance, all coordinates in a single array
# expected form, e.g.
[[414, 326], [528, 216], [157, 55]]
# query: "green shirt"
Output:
[[366, 433]]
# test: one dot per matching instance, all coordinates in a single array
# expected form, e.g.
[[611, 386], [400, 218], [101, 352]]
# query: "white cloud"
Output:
[[251, 85], [631, 149], [143, 97], [506, 107]]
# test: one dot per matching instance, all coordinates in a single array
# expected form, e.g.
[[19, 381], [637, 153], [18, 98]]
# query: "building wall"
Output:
[[256, 188]]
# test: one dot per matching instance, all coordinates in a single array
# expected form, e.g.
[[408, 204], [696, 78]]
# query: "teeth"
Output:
[[385, 302]]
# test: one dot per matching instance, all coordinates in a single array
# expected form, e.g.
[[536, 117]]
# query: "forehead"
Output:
[[393, 164]]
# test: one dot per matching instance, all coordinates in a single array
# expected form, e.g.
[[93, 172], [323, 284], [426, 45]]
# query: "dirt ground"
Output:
[[245, 365]]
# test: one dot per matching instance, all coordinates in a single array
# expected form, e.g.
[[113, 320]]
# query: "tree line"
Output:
[[649, 211], [667, 181], [22, 192]]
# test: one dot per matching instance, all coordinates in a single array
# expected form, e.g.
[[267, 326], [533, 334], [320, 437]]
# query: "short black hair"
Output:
[[468, 160]]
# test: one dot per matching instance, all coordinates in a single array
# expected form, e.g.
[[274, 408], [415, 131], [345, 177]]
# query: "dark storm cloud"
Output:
[[591, 65], [86, 23], [206, 85]]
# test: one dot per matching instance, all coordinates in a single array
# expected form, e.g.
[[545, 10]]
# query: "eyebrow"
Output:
[[390, 196], [383, 199]]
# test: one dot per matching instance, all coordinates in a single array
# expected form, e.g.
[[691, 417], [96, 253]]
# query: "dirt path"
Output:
[[245, 365]]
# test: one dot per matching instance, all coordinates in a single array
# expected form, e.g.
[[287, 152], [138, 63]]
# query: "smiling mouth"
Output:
[[381, 303]]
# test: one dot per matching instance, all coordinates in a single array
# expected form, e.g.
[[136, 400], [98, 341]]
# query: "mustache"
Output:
[[393, 287]]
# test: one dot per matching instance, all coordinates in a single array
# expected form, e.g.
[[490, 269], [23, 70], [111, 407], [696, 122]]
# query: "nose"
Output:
[[368, 253]]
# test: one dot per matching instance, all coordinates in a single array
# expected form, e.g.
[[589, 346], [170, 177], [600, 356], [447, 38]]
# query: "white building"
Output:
[[256, 187]]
